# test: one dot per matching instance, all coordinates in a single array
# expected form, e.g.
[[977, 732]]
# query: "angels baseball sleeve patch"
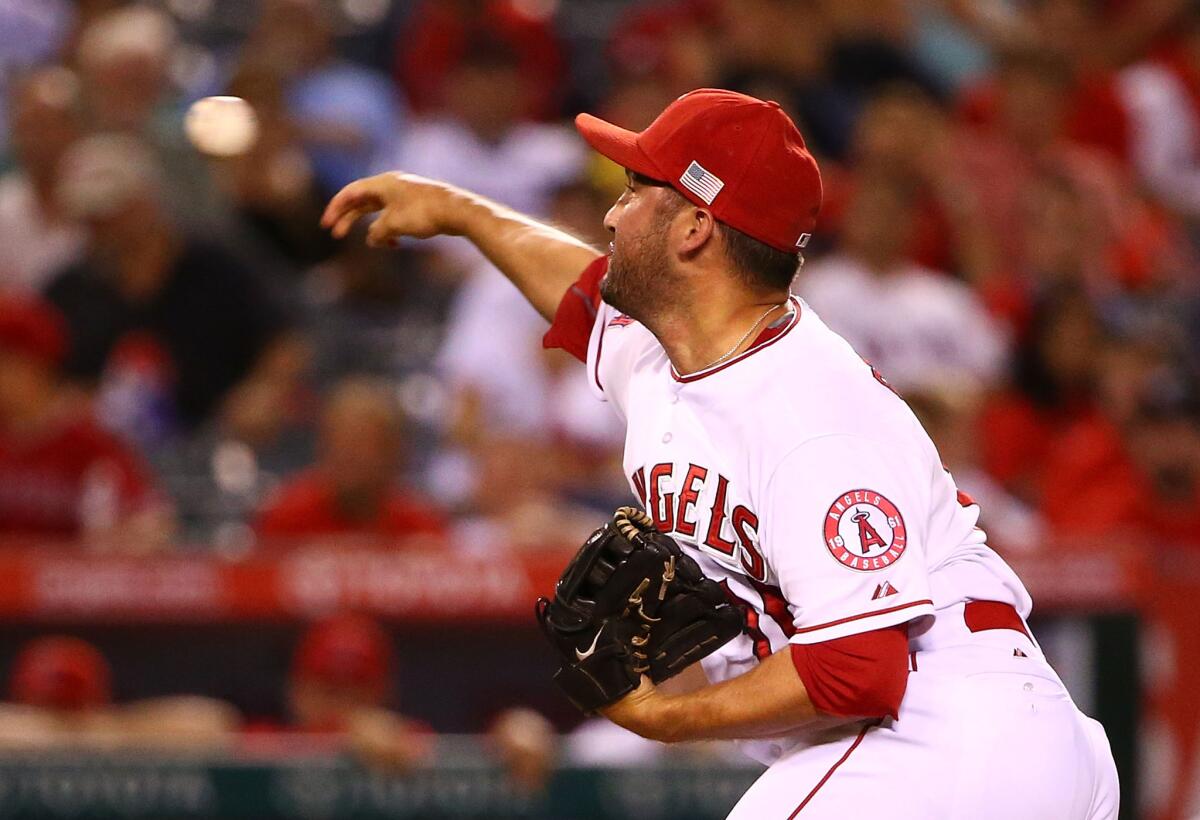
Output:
[[864, 531]]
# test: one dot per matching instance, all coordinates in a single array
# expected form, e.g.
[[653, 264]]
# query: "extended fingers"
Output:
[[348, 205], [346, 221]]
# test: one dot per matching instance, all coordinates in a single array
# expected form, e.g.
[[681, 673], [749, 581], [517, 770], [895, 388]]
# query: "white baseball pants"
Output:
[[987, 731]]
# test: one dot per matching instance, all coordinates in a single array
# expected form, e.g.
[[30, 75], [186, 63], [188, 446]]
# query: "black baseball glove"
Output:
[[631, 603]]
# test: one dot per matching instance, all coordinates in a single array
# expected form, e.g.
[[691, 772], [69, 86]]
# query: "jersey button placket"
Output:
[[671, 415]]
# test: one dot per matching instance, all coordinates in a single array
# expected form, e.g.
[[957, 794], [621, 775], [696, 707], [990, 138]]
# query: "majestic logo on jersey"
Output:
[[884, 590], [620, 320], [864, 531]]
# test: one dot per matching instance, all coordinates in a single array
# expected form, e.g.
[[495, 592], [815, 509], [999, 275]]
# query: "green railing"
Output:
[[462, 784]]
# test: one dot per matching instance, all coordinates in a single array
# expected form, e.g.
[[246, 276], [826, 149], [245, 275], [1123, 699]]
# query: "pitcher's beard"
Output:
[[639, 284]]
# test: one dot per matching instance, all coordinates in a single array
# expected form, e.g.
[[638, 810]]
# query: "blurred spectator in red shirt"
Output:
[[950, 414], [36, 237], [1025, 133], [352, 490], [61, 475], [1069, 32], [441, 33], [1131, 469], [1054, 384], [1164, 443], [61, 690]]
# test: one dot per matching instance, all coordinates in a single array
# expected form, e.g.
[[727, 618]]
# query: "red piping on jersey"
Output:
[[599, 347], [757, 346], [841, 621], [834, 768]]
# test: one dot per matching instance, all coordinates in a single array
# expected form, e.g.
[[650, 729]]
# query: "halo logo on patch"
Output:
[[864, 531]]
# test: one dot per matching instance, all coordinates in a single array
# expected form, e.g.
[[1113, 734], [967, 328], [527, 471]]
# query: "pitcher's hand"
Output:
[[408, 205]]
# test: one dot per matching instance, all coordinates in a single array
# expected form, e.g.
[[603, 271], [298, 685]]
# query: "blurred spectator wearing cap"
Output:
[[916, 325], [61, 697], [61, 673], [124, 57], [479, 137], [36, 238], [672, 41], [441, 34], [352, 493], [61, 475], [341, 685], [342, 680], [344, 112], [179, 323]]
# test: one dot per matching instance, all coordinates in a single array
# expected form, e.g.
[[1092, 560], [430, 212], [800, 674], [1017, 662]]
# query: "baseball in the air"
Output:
[[221, 126]]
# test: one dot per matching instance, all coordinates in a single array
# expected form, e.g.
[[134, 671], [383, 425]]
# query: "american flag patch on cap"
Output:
[[701, 183]]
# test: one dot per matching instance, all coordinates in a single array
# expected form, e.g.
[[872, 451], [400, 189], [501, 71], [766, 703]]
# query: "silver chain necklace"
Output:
[[739, 342]]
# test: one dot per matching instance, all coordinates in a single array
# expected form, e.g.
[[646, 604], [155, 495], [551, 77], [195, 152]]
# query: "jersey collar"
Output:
[[768, 337]]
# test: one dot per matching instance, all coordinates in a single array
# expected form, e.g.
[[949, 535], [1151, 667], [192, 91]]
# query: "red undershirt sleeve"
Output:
[[572, 326], [861, 675]]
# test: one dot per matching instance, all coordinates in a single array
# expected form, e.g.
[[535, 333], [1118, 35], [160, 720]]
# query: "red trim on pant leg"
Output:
[[834, 768], [912, 661]]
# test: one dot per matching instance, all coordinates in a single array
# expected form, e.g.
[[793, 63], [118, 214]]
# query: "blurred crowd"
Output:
[[339, 696], [188, 362]]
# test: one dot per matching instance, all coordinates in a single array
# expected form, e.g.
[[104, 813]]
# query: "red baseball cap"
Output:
[[34, 328], [738, 156], [345, 650], [61, 673]]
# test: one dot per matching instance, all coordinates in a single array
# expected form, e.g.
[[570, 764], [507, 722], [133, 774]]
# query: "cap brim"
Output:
[[618, 144]]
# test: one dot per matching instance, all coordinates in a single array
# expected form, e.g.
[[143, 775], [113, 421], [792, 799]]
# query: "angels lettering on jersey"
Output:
[[731, 538]]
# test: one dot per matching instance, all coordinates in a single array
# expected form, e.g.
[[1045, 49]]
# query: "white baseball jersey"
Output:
[[800, 481]]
